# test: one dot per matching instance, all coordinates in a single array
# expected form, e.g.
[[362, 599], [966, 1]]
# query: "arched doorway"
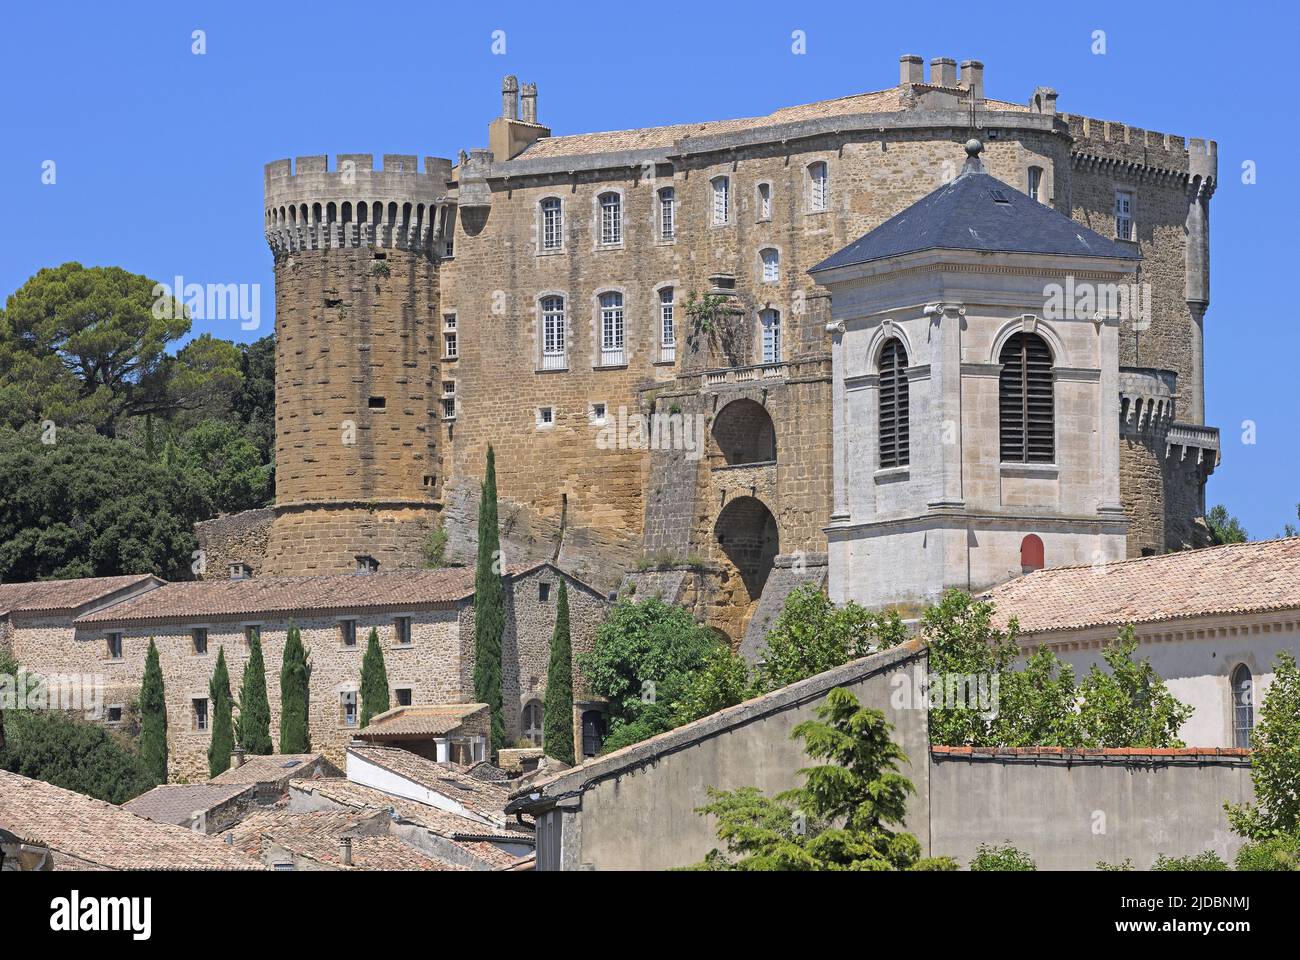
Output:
[[747, 535], [744, 433]]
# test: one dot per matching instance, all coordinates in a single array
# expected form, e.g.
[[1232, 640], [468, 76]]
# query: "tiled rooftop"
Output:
[[74, 825], [62, 595], [271, 768], [486, 798], [177, 802], [1232, 579], [425, 720], [238, 598], [317, 836]]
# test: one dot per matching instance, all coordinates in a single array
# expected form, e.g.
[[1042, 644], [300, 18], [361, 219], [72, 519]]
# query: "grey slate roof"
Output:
[[966, 215]]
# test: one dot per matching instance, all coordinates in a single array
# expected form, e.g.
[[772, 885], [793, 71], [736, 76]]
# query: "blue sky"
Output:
[[159, 152]]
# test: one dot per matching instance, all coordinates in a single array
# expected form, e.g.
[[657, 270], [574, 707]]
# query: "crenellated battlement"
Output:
[[309, 206], [1109, 142]]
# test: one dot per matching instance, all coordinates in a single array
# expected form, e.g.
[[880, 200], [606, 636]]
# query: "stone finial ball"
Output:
[[973, 147]]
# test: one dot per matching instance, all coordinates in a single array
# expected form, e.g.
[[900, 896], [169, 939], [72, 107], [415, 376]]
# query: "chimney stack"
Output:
[[529, 98], [345, 850], [239, 756], [240, 570], [510, 98], [972, 78], [943, 72], [911, 69]]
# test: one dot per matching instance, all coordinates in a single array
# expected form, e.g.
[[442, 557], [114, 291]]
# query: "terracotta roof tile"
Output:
[[176, 802], [52, 595], [1231, 579], [274, 768], [240, 598], [316, 836], [424, 720], [485, 798], [74, 825]]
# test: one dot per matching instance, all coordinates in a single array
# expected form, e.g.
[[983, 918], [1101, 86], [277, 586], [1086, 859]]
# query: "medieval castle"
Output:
[[539, 294]]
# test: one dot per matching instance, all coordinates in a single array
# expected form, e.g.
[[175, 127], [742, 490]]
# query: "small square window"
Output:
[[402, 631], [348, 632], [545, 417], [199, 714], [597, 413], [199, 637], [403, 695], [544, 592], [114, 713], [376, 403]]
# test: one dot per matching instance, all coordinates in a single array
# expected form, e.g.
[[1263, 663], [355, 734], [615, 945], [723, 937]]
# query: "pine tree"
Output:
[[489, 606], [557, 723], [153, 718], [223, 733], [374, 680], [294, 677], [254, 724]]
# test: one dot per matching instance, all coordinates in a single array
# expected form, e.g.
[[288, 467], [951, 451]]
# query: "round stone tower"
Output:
[[357, 252]]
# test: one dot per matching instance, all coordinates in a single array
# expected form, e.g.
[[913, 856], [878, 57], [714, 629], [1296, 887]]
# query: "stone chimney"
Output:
[[239, 570], [345, 850], [529, 101], [510, 98], [911, 69], [943, 72], [238, 760], [366, 564], [972, 78], [1043, 101]]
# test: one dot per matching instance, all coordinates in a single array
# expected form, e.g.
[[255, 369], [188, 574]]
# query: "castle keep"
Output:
[[537, 292]]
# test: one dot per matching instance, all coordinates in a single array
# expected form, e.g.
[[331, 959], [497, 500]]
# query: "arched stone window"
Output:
[[744, 432], [531, 722], [1243, 706], [1026, 406], [1031, 554], [894, 422]]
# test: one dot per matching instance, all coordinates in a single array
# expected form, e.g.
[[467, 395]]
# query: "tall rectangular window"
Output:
[[771, 323], [1124, 214], [819, 186], [199, 639], [450, 339], [667, 215], [114, 646], [612, 330], [553, 333], [199, 714], [348, 632], [764, 201], [402, 631], [348, 708], [771, 265], [552, 224], [667, 328], [611, 218], [721, 200], [1036, 183]]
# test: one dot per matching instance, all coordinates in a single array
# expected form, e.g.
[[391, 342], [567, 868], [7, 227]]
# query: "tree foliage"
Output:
[[557, 711], [295, 675], [1275, 760], [222, 742], [1006, 858], [1225, 528], [374, 680], [254, 723], [843, 818], [489, 606], [153, 717]]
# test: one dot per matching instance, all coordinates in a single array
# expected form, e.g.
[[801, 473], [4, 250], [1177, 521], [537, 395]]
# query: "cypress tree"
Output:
[[153, 718], [254, 724], [489, 606], [557, 722], [374, 680], [294, 676], [223, 733]]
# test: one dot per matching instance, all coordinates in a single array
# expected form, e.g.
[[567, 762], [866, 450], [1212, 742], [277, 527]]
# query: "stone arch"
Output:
[[744, 433], [747, 535]]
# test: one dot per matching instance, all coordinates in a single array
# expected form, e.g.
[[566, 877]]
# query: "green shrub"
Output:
[[1004, 858]]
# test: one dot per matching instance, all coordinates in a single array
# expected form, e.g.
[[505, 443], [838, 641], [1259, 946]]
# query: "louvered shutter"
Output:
[[894, 427], [1027, 415]]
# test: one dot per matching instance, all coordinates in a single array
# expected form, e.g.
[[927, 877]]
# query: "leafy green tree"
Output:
[[254, 723], [643, 659], [295, 676], [153, 718], [222, 743], [843, 818], [374, 680], [489, 606], [254, 403], [70, 752], [557, 711], [74, 504], [1131, 706], [1290, 529], [813, 635], [228, 465], [1276, 854], [83, 345], [1005, 858], [1275, 760], [723, 681], [1225, 528], [1197, 863], [200, 382]]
